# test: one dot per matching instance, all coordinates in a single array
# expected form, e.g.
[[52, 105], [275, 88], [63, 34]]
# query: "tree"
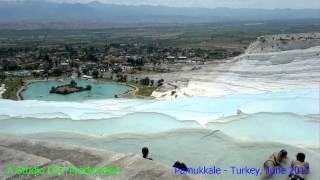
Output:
[[88, 87], [95, 74], [85, 71], [10, 65], [122, 78], [73, 83], [57, 72], [160, 82], [48, 60], [78, 73], [116, 70], [92, 58], [139, 62], [2, 75], [145, 81], [131, 61]]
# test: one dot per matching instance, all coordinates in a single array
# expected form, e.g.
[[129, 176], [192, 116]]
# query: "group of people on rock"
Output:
[[299, 168]]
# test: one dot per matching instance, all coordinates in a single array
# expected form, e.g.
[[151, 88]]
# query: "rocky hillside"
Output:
[[284, 42]]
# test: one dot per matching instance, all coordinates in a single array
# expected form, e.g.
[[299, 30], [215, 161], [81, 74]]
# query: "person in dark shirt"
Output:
[[299, 168], [180, 165], [145, 152]]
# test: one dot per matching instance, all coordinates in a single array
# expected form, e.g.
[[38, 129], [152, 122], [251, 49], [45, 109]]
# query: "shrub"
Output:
[[88, 87]]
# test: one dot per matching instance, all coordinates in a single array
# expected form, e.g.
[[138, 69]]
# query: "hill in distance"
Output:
[[40, 10]]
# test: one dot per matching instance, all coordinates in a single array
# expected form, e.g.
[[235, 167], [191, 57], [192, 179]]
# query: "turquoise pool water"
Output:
[[100, 90]]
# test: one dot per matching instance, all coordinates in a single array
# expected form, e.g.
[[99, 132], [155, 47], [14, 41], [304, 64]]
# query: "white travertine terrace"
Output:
[[16, 151], [272, 63]]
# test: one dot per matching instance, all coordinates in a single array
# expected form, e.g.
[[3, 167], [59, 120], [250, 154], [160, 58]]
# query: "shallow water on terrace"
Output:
[[273, 127], [201, 109], [100, 90], [285, 124], [134, 123], [267, 127], [284, 121]]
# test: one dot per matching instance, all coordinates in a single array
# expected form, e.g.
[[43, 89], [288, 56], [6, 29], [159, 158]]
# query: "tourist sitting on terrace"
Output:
[[274, 160], [145, 152], [180, 166], [299, 168]]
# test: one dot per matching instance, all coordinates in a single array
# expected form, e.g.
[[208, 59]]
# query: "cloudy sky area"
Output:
[[265, 4]]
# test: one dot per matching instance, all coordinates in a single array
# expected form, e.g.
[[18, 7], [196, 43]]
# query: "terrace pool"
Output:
[[100, 90]]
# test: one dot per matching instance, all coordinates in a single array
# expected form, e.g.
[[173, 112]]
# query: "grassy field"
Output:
[[197, 35], [12, 87], [144, 91]]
